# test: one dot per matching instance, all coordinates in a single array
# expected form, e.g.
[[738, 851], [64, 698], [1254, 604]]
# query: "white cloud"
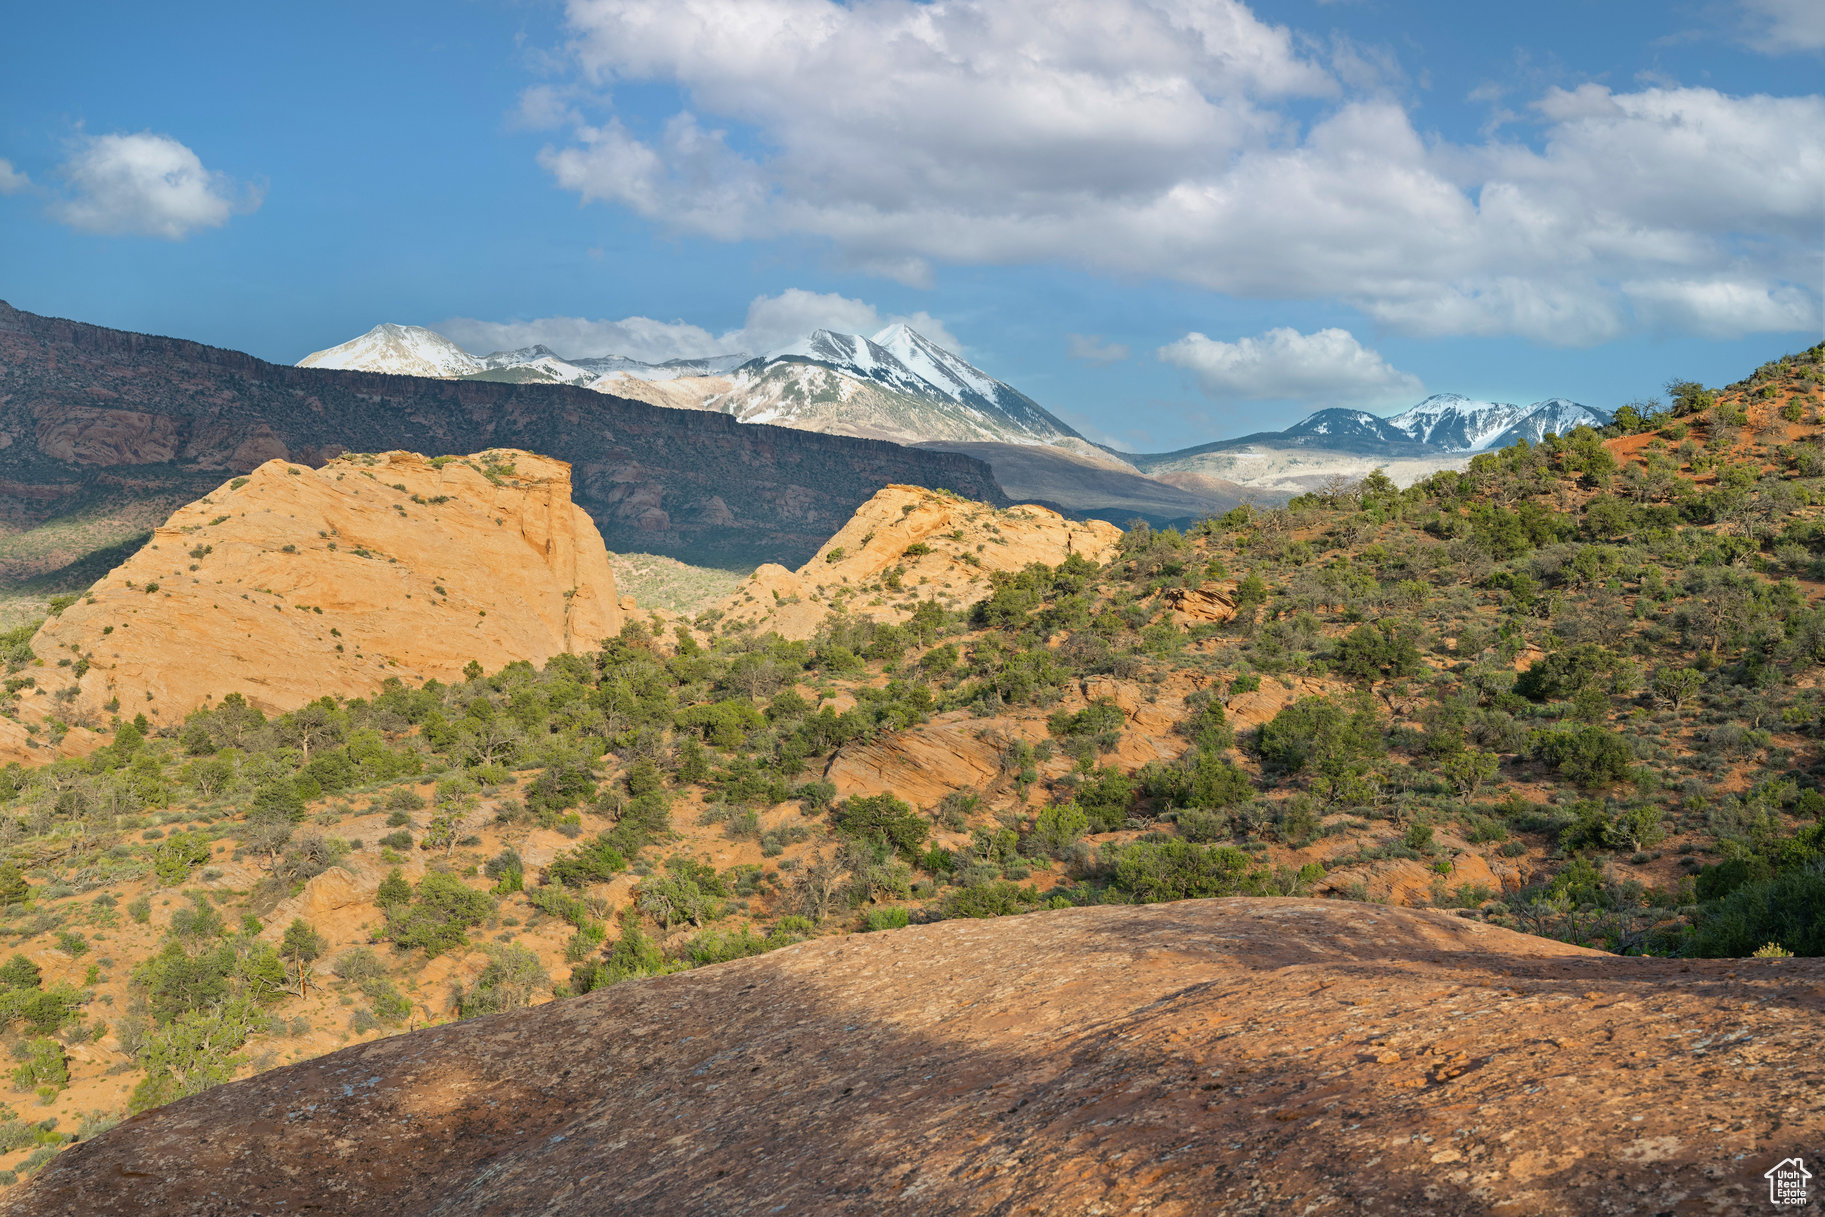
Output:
[[640, 338], [1780, 27], [1328, 367], [1092, 349], [12, 180], [772, 322], [1155, 138], [145, 184], [1721, 308]]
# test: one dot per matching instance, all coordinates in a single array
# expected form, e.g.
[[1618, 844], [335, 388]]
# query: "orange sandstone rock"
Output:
[[934, 545], [293, 583]]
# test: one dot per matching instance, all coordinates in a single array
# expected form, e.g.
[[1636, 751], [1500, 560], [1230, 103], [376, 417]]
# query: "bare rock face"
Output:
[[293, 583], [1221, 1056], [1201, 605], [942, 546]]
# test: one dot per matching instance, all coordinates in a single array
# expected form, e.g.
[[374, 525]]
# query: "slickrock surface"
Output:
[[1227, 1056], [963, 541], [309, 582]]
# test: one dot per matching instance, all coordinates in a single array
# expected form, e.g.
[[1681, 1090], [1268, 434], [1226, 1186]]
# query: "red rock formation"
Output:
[[1223, 1056]]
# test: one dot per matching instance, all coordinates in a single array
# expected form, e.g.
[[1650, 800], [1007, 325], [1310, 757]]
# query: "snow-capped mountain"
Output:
[[1460, 424], [1442, 432], [402, 350], [897, 385], [1339, 428], [1554, 416]]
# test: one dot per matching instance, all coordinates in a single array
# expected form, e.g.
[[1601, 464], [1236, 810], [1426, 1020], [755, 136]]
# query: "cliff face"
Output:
[[89, 414], [1209, 1056], [292, 583]]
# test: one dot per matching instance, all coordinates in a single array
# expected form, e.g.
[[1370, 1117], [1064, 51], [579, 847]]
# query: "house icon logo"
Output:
[[1787, 1182]]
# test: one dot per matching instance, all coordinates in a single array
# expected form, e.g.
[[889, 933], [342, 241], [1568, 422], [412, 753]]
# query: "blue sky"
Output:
[[1168, 222]]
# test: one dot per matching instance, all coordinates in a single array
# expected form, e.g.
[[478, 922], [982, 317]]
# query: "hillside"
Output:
[[1571, 692], [103, 434], [1209, 1056]]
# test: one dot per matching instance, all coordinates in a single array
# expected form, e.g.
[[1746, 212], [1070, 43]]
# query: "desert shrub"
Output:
[[688, 891], [44, 1065], [358, 965], [179, 854], [174, 981], [1059, 827], [1202, 779], [598, 861], [999, 898], [882, 817], [1147, 871], [633, 954], [886, 919], [645, 819], [442, 909], [563, 784], [1199, 824], [404, 798], [718, 946], [507, 982], [1788, 909], [1589, 756], [195, 1051]]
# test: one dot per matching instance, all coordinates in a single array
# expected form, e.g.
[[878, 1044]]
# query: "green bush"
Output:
[[597, 861], [179, 854], [1059, 827], [1589, 756], [443, 908], [886, 919], [194, 1052], [882, 817], [1148, 872], [1788, 909], [507, 982], [44, 1065], [998, 898]]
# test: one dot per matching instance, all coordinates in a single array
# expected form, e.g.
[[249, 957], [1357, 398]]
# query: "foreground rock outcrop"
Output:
[[908, 544], [292, 583], [1224, 1056]]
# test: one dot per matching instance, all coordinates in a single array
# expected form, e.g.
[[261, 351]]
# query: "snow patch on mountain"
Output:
[[1460, 424], [400, 350]]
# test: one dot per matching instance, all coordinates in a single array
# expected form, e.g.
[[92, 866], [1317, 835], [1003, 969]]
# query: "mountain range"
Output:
[[103, 433], [899, 385]]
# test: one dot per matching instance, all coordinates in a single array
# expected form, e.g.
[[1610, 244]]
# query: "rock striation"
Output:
[[1217, 1056], [292, 583], [933, 544]]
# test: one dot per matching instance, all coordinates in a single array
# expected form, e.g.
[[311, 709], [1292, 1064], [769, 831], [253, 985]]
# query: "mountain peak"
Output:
[[400, 350]]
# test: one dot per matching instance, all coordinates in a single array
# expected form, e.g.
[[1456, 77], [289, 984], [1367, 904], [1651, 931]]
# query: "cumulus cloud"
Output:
[[1328, 367], [148, 185], [1169, 138], [1092, 349], [1719, 308], [1781, 27], [771, 322], [12, 180]]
